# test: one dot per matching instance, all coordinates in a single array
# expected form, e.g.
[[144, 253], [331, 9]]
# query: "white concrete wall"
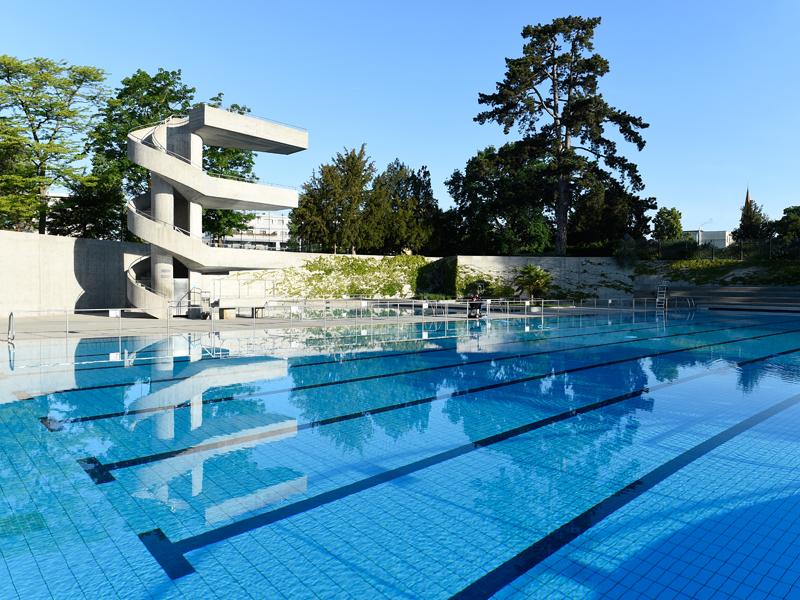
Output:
[[47, 272]]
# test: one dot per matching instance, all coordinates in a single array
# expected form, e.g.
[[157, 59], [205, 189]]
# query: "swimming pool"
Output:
[[570, 457]]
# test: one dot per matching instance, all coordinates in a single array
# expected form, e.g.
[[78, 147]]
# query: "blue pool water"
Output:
[[569, 457]]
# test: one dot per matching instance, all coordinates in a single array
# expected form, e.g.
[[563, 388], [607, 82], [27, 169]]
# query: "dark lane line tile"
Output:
[[171, 555], [101, 473], [55, 425], [715, 318], [404, 353], [495, 580]]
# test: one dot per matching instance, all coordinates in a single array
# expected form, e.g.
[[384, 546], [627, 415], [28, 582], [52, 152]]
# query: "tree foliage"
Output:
[[330, 207], [789, 225], [19, 204], [551, 95], [607, 211], [345, 206], [400, 211], [753, 224], [93, 210], [500, 200], [533, 279], [46, 107], [667, 224]]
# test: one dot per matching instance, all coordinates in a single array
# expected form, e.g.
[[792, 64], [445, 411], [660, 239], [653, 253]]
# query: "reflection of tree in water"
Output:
[[749, 376], [548, 467], [326, 402], [665, 368]]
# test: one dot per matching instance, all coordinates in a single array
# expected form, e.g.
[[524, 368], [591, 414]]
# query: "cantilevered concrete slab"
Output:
[[169, 216], [231, 130], [208, 191]]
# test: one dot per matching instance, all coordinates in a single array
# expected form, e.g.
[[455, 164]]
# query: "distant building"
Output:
[[720, 239], [266, 231]]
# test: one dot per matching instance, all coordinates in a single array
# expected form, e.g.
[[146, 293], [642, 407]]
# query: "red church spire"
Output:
[[747, 199]]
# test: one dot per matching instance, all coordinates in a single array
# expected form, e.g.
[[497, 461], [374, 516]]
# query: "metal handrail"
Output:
[[156, 145], [131, 277], [132, 206], [204, 240], [230, 110], [12, 333]]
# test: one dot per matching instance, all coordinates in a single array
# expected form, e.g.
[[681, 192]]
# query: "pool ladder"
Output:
[[661, 295]]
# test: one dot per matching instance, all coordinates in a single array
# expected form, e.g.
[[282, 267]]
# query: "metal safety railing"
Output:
[[208, 241], [231, 110], [157, 145], [133, 279], [299, 312], [150, 217]]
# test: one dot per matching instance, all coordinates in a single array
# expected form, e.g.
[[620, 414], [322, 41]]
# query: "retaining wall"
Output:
[[47, 272], [572, 277]]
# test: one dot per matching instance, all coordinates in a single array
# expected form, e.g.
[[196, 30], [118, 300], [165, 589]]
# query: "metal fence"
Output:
[[302, 313], [765, 249]]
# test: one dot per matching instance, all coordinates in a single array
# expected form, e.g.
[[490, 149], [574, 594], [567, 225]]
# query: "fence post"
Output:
[[66, 330]]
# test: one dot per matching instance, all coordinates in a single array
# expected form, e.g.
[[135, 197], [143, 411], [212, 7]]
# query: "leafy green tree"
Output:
[[47, 106], [789, 225], [607, 211], [533, 279], [753, 224], [556, 81], [500, 198], [331, 205], [667, 224], [19, 204], [401, 210], [220, 223], [93, 210]]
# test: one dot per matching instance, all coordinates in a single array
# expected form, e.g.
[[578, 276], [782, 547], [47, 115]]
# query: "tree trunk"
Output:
[[562, 214], [42, 210]]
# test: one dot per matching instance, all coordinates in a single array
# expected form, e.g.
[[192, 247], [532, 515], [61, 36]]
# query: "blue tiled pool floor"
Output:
[[568, 458]]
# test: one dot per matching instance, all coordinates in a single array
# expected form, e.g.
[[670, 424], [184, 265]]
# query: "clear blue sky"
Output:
[[718, 82]]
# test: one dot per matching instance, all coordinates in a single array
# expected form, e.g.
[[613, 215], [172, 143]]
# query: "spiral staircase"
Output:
[[169, 216]]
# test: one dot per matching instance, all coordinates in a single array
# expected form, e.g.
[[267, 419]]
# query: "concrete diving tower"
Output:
[[169, 216]]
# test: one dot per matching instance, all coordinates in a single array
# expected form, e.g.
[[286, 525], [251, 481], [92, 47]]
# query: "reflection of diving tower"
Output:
[[170, 216]]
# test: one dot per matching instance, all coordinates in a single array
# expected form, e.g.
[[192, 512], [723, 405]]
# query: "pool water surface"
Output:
[[634, 456]]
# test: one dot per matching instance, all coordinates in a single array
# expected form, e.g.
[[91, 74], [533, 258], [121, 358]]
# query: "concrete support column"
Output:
[[196, 151], [195, 228], [197, 480], [165, 424], [195, 219], [163, 209], [196, 414]]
